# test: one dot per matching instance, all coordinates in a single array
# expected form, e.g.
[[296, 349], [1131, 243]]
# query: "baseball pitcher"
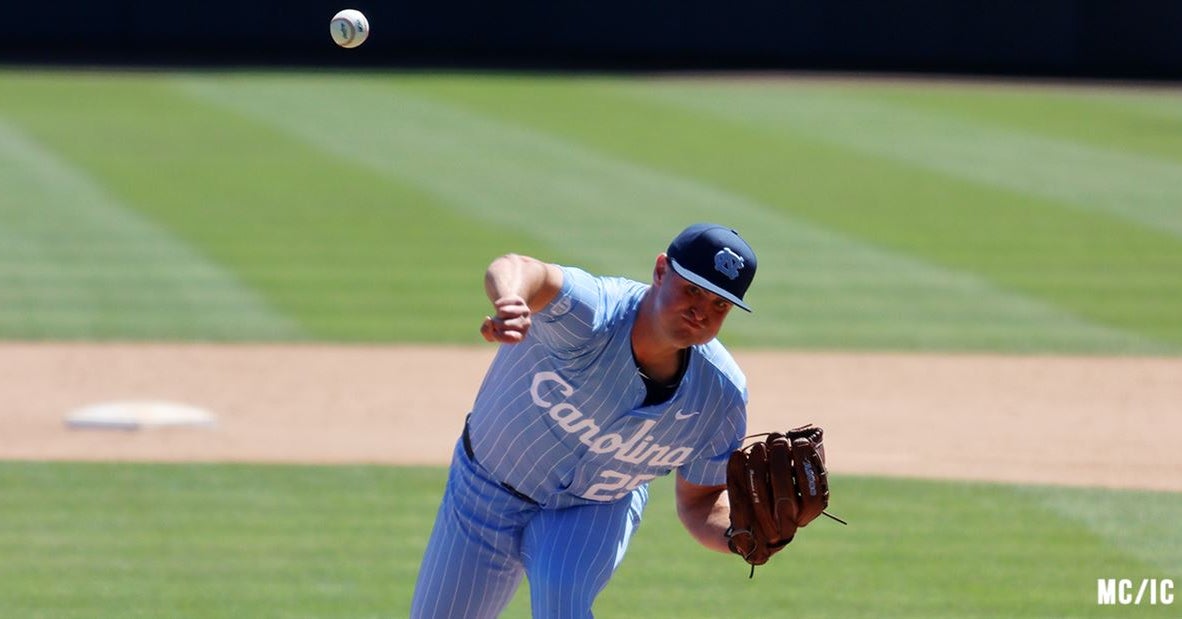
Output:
[[600, 385]]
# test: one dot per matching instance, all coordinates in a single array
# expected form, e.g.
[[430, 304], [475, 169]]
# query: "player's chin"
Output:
[[693, 337]]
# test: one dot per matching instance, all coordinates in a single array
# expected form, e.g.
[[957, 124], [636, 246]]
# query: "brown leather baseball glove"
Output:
[[775, 486]]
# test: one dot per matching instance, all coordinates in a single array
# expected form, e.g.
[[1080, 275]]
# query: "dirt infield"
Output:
[[1077, 421]]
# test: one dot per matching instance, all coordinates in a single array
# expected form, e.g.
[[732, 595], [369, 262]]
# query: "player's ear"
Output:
[[660, 268]]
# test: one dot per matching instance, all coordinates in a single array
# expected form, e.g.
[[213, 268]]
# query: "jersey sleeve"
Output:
[[579, 311], [710, 468]]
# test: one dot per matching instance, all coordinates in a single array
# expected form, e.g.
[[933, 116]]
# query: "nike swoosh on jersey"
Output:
[[680, 416]]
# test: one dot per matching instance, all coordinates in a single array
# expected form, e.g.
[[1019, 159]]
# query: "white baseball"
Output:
[[349, 28]]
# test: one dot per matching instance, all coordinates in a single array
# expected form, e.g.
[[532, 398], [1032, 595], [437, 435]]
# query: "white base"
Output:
[[138, 415]]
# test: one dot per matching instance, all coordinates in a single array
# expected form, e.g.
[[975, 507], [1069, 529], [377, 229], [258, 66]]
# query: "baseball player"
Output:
[[600, 385]]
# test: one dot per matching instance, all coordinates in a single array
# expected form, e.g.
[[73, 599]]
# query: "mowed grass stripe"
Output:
[[1143, 525], [1092, 231], [1132, 186], [76, 262], [206, 541], [800, 179], [1123, 119], [1090, 264], [815, 287], [478, 167], [344, 253], [915, 549], [221, 541]]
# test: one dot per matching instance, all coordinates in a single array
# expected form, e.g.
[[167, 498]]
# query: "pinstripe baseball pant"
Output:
[[486, 539]]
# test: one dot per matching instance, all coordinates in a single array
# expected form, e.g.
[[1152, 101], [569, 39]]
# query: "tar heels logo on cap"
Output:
[[728, 262]]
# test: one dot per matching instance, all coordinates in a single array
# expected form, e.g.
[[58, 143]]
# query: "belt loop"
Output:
[[468, 440]]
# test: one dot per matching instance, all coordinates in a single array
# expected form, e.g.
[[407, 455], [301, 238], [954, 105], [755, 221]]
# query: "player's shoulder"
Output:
[[603, 290], [580, 277], [717, 360]]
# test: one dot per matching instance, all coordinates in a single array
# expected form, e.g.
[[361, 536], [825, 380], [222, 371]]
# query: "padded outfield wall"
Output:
[[1071, 38]]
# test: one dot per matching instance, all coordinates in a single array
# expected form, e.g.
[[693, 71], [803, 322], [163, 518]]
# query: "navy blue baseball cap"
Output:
[[716, 258]]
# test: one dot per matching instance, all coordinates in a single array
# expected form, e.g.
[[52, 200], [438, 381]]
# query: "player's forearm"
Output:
[[706, 517], [516, 275]]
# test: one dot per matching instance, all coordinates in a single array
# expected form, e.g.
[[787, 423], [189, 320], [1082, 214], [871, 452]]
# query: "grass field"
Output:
[[231, 541], [317, 207], [297, 206]]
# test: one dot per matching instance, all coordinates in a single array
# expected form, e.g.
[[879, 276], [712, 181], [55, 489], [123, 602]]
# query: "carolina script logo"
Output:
[[639, 448]]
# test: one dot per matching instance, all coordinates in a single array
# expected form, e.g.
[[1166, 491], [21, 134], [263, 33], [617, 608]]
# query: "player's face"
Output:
[[687, 313]]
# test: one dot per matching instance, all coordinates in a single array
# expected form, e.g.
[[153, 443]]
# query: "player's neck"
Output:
[[657, 358], [662, 368]]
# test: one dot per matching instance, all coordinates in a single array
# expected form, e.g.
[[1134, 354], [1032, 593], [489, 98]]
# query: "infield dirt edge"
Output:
[[1034, 419]]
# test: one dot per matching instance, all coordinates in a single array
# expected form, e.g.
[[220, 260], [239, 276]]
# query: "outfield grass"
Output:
[[292, 206], [230, 541]]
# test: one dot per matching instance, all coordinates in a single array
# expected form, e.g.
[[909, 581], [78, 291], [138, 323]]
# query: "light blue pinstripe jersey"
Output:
[[559, 415]]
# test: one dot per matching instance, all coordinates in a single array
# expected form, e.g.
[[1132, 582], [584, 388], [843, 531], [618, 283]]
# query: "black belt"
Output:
[[472, 456]]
